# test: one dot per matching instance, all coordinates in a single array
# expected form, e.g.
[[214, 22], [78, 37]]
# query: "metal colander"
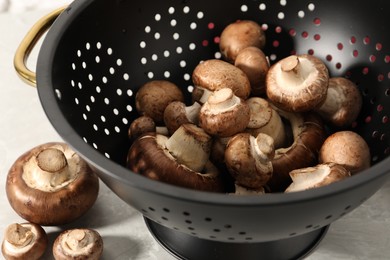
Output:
[[99, 52]]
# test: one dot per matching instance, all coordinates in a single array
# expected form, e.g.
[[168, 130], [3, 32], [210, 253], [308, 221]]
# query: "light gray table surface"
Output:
[[362, 234]]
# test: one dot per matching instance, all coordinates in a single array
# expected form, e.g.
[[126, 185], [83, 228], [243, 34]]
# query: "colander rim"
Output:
[[48, 99]]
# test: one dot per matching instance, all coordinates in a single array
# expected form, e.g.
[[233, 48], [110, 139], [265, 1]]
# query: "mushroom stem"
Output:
[[192, 112], [191, 146], [223, 100], [290, 64], [77, 239], [50, 169], [18, 236], [263, 148]]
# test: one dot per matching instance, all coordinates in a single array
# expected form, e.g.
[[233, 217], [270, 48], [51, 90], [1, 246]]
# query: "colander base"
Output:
[[184, 246]]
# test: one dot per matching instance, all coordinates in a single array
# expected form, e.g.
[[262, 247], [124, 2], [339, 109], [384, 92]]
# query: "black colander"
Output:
[[99, 52]]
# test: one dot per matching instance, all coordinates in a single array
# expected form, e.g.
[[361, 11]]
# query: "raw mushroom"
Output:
[[297, 83], [177, 113], [317, 176], [224, 114], [216, 74], [342, 104], [182, 159], [348, 149], [79, 243], [239, 35], [248, 159], [24, 241], [309, 135], [144, 124], [51, 185], [255, 64], [265, 119], [154, 96]]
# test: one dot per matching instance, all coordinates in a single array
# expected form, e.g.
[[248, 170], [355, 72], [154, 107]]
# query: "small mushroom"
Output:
[[348, 149], [79, 243], [265, 119], [216, 74], [154, 96], [182, 159], [224, 114], [308, 134], [51, 185], [317, 176], [248, 159], [297, 83], [24, 241], [177, 113], [342, 104], [144, 124], [239, 35], [255, 64]]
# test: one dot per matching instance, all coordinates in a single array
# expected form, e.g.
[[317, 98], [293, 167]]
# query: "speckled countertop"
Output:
[[362, 234]]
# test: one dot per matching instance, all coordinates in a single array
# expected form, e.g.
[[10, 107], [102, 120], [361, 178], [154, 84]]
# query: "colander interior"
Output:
[[98, 53]]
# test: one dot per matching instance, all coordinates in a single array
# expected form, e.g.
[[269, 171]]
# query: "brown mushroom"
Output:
[[297, 83], [309, 135], [342, 104], [255, 64], [153, 97], [144, 124], [216, 74], [248, 159], [24, 241], [348, 149], [317, 176], [182, 159], [177, 113], [51, 185], [239, 35], [224, 114], [78, 243], [265, 119]]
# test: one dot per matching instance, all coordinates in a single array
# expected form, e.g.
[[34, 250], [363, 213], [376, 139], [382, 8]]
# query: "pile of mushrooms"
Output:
[[50, 185], [250, 127]]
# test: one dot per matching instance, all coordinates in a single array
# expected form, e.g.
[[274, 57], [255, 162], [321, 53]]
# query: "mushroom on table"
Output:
[[51, 185], [24, 241], [78, 243]]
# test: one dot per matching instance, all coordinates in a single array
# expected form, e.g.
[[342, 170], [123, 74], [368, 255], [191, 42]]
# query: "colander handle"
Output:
[[28, 43]]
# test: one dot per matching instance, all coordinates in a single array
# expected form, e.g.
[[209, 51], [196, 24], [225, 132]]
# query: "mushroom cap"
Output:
[[216, 74], [248, 159], [254, 63], [317, 176], [348, 149], [32, 248], [297, 83], [239, 35], [309, 135], [56, 207], [224, 114], [65, 246], [153, 97], [147, 156], [343, 102], [140, 125]]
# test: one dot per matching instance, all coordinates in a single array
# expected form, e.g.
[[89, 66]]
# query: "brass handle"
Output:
[[28, 43]]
